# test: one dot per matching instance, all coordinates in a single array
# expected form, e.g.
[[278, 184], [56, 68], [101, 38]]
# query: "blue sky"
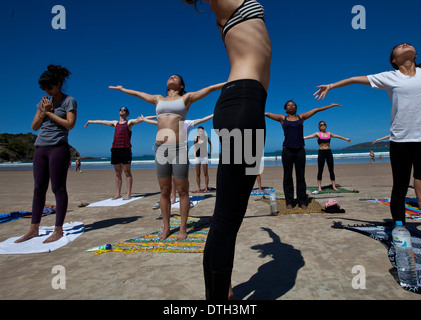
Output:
[[140, 44]]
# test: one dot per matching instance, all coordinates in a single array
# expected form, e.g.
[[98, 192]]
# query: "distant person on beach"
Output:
[[171, 154], [78, 164], [187, 126], [325, 153], [54, 118], [293, 152], [404, 88], [121, 150], [241, 106], [417, 182], [372, 156], [201, 153]]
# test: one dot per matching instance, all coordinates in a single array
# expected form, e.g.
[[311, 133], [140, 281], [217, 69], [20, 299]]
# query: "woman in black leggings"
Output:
[[239, 119], [404, 88], [293, 152], [325, 153], [55, 117]]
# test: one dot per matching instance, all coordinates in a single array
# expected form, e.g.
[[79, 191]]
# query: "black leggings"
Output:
[[240, 106], [403, 156], [325, 155], [297, 157], [50, 162]]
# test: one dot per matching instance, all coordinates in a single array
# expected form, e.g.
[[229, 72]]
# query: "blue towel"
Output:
[[7, 217]]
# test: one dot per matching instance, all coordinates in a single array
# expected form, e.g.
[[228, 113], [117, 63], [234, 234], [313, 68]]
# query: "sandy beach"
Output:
[[287, 257]]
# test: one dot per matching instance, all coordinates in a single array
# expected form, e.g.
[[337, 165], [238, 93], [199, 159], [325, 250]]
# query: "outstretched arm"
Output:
[[309, 114], [324, 89], [277, 117], [192, 97], [149, 120], [314, 135], [151, 98], [380, 139], [112, 123], [203, 120], [339, 137]]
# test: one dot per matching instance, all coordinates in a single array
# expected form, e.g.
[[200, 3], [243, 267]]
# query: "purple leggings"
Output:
[[50, 162]]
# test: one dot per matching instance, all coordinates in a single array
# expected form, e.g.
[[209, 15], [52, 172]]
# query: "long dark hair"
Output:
[[53, 76], [193, 2], [392, 57]]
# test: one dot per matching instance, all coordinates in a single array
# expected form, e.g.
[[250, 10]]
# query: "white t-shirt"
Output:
[[405, 94], [188, 125]]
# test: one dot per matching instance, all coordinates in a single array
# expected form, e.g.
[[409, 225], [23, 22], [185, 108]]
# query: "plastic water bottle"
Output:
[[107, 247], [405, 260], [273, 208]]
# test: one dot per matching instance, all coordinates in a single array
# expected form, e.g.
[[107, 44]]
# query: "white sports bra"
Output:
[[173, 107]]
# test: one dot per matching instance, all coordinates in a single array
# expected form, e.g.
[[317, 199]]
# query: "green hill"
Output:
[[20, 147], [369, 145]]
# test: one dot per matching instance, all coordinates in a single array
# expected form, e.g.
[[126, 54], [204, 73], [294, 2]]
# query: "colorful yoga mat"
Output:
[[197, 230]]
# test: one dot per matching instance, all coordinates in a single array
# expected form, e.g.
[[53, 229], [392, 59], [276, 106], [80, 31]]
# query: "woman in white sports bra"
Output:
[[171, 153], [240, 106]]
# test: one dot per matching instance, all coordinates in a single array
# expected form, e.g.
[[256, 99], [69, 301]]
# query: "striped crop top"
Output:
[[173, 107], [250, 9]]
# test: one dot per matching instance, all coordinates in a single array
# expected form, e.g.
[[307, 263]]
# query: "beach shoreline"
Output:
[[309, 261]]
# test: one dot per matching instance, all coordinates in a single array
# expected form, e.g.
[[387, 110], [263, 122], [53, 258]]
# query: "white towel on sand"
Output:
[[114, 203], [194, 200], [35, 245]]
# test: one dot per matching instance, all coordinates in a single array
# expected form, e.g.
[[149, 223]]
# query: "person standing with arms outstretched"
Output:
[[325, 153], [241, 106], [55, 117], [404, 88], [121, 150], [293, 152], [171, 154]]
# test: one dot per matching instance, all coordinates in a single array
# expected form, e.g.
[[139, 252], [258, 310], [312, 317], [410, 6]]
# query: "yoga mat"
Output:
[[312, 207], [411, 212], [383, 234], [266, 192], [114, 203], [194, 200], [328, 189], [35, 245], [197, 230]]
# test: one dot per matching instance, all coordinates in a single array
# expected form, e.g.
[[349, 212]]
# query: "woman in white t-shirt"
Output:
[[404, 88]]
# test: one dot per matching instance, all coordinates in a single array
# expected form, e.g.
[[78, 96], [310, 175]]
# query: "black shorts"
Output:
[[121, 155]]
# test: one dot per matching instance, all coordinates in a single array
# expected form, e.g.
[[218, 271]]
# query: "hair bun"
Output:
[[61, 72]]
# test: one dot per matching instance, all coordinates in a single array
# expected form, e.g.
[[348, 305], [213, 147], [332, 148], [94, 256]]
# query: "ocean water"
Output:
[[270, 160]]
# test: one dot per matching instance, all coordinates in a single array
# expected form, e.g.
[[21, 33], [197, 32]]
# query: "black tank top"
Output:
[[294, 133]]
